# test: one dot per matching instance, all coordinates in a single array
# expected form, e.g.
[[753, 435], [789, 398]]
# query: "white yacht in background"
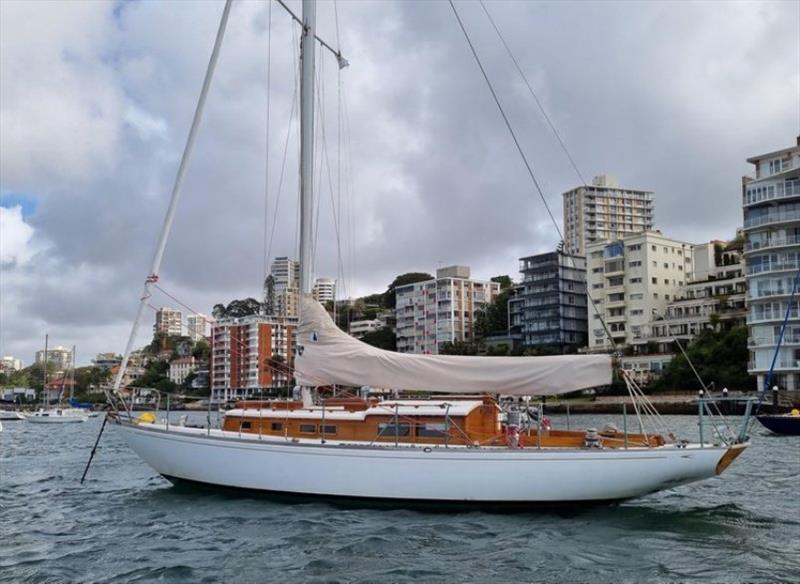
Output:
[[11, 415], [58, 414]]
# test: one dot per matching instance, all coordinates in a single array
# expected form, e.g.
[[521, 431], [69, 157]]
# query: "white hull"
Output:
[[455, 474], [9, 416], [57, 417]]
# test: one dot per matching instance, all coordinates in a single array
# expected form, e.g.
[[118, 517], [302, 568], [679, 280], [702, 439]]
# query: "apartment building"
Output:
[[59, 356], [630, 281], [324, 290], [180, 368], [549, 308], [441, 310], [285, 284], [168, 322], [10, 363], [604, 211], [713, 298], [358, 328], [197, 326], [771, 204], [244, 353]]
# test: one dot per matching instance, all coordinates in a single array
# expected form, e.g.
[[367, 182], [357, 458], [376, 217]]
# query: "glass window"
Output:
[[246, 425], [276, 426], [328, 429], [431, 430], [392, 430], [308, 428]]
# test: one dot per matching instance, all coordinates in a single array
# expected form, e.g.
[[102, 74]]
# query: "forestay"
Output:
[[326, 355]]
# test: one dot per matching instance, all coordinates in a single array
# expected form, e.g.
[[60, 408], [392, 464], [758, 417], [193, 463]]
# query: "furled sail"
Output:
[[327, 355]]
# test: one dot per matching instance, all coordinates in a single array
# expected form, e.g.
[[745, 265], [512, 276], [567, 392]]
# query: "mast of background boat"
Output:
[[768, 380], [155, 268], [44, 372], [307, 53], [72, 378]]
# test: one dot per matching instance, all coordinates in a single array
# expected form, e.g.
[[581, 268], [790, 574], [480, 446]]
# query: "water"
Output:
[[128, 525]]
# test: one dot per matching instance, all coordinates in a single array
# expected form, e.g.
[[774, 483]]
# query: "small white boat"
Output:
[[58, 416], [11, 415]]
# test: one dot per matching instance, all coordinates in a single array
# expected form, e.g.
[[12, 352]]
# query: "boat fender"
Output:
[[610, 428], [795, 412], [146, 418], [427, 449], [592, 439]]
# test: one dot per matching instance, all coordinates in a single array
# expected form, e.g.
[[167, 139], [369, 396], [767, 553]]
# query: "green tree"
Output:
[[383, 338], [402, 280], [201, 351], [504, 281], [458, 348], [719, 357]]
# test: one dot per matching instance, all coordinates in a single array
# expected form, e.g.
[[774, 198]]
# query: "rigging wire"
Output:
[[524, 158], [267, 141], [533, 94]]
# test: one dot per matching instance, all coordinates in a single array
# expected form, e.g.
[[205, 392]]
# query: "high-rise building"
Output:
[[433, 312], [604, 211], [285, 285], [59, 356], [552, 300], [168, 322], [631, 281], [249, 355], [324, 290], [197, 326], [771, 201], [9, 363]]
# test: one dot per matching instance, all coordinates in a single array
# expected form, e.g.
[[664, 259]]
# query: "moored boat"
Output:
[[782, 423]]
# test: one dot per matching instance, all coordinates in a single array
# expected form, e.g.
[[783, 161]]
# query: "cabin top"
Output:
[[404, 408]]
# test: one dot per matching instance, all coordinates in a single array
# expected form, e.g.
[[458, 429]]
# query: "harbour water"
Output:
[[126, 524]]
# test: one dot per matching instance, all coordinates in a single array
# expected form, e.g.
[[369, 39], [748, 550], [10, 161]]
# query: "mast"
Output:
[[44, 373], [72, 376], [309, 18]]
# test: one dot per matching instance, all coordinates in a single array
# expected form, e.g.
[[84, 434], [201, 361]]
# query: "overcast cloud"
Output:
[[96, 99]]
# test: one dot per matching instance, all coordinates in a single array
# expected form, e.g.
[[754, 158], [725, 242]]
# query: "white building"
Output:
[[180, 368], [437, 311], [168, 322], [9, 363], [358, 328], [59, 356], [250, 355], [603, 211], [285, 274], [197, 326], [107, 361], [771, 201], [713, 298], [631, 280], [324, 290]]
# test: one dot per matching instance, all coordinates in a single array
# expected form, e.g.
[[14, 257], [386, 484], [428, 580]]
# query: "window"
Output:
[[431, 430], [392, 430], [328, 429], [597, 270], [639, 296], [666, 296], [635, 264], [666, 250], [637, 312], [308, 428], [655, 295], [597, 286], [245, 425], [635, 280], [655, 264], [276, 426], [653, 247], [666, 281], [635, 247], [654, 280], [666, 265]]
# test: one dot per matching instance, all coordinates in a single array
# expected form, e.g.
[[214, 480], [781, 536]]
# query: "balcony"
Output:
[[772, 218], [772, 243], [781, 190], [773, 267]]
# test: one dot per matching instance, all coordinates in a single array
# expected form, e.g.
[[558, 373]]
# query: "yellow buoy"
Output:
[[146, 418], [795, 412]]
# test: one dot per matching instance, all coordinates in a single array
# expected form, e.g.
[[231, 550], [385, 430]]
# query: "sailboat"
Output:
[[60, 414], [457, 442]]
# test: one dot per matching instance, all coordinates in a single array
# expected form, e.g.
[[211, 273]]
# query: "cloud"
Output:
[[96, 99], [15, 237]]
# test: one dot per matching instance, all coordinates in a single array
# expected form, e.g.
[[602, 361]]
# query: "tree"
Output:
[[458, 348], [504, 281], [383, 338], [201, 351], [403, 280], [718, 356], [494, 316]]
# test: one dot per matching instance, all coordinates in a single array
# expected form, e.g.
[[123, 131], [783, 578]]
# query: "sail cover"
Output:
[[327, 355]]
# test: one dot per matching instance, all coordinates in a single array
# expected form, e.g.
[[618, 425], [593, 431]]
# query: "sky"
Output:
[[96, 100]]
